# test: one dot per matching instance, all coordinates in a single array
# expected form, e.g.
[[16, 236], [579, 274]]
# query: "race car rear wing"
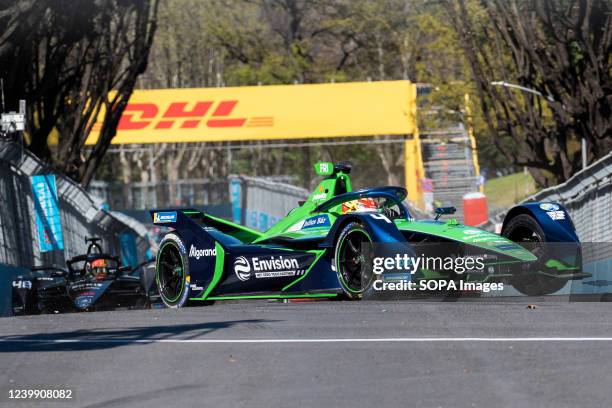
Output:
[[186, 218]]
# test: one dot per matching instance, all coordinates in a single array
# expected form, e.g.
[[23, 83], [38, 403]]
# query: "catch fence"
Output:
[[260, 203], [161, 194], [588, 198], [80, 215]]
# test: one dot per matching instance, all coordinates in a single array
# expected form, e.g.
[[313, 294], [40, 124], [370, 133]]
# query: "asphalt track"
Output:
[[324, 354]]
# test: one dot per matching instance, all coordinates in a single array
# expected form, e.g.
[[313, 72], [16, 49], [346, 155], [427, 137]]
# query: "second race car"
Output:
[[93, 281]]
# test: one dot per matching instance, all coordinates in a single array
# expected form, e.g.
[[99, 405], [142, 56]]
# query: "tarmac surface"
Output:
[[316, 354]]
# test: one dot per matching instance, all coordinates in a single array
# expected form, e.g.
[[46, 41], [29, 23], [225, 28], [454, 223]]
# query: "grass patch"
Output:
[[508, 190]]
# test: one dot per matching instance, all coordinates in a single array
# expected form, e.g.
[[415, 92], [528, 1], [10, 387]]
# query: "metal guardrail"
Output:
[[162, 194], [260, 203], [588, 198], [81, 215]]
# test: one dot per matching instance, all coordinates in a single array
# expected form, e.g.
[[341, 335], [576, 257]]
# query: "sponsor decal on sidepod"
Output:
[[317, 221], [198, 253], [242, 268], [272, 267]]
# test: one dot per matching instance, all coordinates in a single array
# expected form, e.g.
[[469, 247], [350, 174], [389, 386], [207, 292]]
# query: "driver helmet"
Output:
[[99, 269], [359, 205]]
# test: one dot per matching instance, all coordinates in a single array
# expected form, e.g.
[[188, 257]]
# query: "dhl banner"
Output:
[[267, 112]]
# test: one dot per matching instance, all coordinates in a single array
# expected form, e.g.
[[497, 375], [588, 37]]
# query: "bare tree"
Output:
[[72, 63], [560, 49]]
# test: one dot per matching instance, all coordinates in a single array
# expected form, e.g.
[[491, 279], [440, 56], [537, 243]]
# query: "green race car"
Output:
[[350, 243]]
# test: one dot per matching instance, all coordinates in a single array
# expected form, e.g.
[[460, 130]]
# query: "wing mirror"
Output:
[[124, 269], [444, 211]]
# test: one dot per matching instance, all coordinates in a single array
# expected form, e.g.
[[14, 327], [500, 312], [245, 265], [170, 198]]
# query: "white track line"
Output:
[[346, 340]]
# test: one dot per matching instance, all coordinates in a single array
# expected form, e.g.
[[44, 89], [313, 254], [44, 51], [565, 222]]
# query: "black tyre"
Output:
[[172, 272], [525, 230], [19, 306], [353, 265]]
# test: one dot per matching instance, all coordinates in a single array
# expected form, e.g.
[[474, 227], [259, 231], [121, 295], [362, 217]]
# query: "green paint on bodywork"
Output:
[[311, 295], [289, 226], [560, 266], [468, 235], [218, 273], [237, 231], [292, 226]]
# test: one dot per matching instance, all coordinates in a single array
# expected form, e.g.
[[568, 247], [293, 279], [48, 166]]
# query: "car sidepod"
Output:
[[222, 267]]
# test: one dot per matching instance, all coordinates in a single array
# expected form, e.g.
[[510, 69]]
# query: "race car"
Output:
[[94, 281], [327, 247]]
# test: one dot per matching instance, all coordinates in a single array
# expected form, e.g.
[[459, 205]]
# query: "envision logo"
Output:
[[273, 264], [271, 267], [242, 268], [198, 253]]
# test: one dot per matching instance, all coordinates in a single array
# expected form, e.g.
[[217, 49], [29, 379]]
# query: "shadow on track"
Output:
[[99, 339]]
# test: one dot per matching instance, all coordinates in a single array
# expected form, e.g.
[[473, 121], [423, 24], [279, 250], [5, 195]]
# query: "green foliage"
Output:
[[264, 42], [63, 59], [505, 191], [542, 71]]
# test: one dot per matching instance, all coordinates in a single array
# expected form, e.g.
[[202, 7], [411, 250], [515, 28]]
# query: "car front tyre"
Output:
[[525, 230], [352, 261]]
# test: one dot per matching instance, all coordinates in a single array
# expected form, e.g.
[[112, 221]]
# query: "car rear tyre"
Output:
[[18, 305], [172, 272], [353, 264], [525, 230]]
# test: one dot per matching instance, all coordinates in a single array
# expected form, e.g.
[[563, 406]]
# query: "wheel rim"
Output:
[[352, 261], [170, 272]]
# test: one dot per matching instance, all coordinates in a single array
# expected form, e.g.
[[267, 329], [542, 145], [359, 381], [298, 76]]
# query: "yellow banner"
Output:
[[267, 112]]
